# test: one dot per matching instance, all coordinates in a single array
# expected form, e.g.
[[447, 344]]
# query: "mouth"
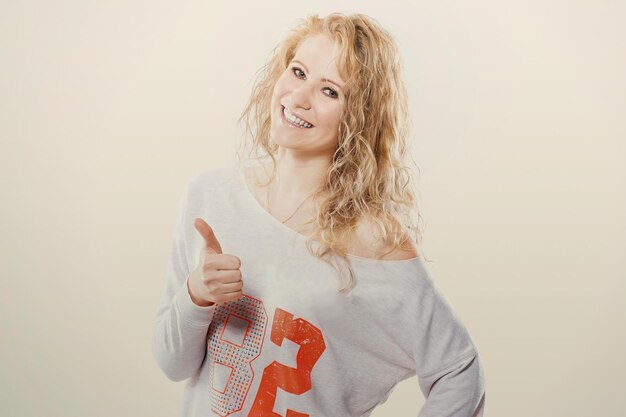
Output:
[[292, 120]]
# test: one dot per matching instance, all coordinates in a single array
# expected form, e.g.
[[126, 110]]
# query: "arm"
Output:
[[458, 390], [449, 369], [180, 328]]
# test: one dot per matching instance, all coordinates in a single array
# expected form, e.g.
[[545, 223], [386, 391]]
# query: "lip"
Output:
[[288, 123]]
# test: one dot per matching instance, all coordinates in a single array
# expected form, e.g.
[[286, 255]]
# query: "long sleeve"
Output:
[[456, 391], [180, 327], [450, 372]]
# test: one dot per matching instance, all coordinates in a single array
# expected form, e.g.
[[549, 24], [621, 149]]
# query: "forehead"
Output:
[[320, 53]]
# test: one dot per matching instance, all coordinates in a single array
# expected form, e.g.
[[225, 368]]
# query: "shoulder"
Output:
[[368, 243], [214, 177], [216, 173]]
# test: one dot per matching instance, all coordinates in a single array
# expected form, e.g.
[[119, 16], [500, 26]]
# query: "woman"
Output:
[[305, 275]]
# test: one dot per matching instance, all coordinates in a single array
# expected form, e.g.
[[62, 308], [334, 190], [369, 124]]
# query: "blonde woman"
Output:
[[295, 286]]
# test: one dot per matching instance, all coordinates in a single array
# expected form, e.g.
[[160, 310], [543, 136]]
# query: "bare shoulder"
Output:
[[369, 244]]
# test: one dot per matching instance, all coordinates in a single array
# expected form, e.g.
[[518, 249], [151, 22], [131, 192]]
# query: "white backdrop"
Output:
[[108, 108]]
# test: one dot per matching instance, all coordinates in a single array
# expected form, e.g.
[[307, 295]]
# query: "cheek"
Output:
[[282, 84], [278, 90], [332, 116]]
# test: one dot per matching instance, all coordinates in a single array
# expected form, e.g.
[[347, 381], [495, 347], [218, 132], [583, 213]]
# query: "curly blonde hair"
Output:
[[367, 177]]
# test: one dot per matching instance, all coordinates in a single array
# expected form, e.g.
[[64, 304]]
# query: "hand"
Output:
[[217, 278]]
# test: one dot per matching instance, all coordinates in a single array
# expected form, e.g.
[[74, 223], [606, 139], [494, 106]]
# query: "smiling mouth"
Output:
[[293, 120]]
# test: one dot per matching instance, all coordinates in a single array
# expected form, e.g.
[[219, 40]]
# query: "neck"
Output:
[[297, 178]]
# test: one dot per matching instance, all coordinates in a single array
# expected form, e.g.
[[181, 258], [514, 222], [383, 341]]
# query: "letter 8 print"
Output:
[[238, 357]]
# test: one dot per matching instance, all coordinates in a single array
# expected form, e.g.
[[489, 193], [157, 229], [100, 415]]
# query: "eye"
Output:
[[333, 92], [295, 70]]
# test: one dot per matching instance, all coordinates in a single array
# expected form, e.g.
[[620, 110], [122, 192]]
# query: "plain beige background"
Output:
[[108, 108]]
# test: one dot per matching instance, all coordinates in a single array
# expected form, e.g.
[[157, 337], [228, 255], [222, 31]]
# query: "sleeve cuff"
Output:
[[191, 312]]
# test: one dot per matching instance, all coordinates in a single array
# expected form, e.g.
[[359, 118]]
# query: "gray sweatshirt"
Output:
[[292, 345]]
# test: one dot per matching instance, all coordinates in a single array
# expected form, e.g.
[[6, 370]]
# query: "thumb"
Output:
[[211, 244]]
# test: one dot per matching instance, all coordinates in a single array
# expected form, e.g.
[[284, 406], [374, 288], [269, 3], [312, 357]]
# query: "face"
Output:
[[308, 89]]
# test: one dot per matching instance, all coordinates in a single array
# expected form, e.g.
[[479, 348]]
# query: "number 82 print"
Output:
[[238, 357]]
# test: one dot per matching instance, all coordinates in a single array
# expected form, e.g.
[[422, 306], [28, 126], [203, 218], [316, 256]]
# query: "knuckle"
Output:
[[211, 287], [209, 264], [206, 279]]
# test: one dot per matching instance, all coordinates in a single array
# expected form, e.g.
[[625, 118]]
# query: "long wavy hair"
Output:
[[368, 177]]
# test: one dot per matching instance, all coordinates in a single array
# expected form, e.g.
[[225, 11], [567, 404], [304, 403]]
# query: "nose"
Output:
[[300, 97]]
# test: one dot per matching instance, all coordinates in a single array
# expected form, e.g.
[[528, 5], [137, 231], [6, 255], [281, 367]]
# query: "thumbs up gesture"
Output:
[[217, 278]]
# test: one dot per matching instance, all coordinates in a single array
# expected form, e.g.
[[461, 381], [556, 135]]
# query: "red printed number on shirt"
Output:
[[233, 357], [235, 338], [293, 380]]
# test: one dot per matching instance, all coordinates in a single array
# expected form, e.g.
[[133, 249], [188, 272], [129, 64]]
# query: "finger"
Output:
[[231, 296], [227, 276], [224, 261], [211, 244], [231, 287]]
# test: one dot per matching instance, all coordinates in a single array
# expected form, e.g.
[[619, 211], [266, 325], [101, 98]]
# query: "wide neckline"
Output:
[[241, 175]]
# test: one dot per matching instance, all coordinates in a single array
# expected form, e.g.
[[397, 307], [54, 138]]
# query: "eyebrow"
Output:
[[323, 79]]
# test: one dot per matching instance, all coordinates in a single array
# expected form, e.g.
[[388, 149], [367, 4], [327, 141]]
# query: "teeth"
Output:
[[295, 120]]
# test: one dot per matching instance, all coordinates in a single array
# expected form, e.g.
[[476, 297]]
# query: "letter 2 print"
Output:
[[250, 313]]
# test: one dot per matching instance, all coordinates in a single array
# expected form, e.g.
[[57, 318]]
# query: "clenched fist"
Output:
[[217, 278]]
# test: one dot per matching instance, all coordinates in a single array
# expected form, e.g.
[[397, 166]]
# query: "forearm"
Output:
[[456, 392], [179, 338]]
